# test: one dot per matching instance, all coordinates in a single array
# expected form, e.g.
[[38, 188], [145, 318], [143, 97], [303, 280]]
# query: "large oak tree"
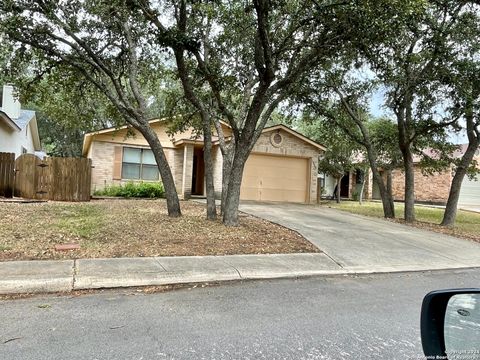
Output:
[[409, 60], [250, 56]]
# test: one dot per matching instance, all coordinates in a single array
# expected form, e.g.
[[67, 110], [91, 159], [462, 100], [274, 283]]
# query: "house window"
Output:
[[24, 151], [139, 164]]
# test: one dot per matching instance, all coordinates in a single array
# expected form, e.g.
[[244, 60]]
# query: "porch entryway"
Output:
[[198, 172]]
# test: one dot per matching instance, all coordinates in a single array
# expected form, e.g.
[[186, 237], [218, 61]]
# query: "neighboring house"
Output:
[[283, 164], [18, 128], [433, 188], [470, 191]]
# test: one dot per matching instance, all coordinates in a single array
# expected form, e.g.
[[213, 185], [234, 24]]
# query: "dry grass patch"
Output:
[[131, 228]]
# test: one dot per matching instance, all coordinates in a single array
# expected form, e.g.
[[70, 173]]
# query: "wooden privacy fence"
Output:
[[54, 178], [7, 173]]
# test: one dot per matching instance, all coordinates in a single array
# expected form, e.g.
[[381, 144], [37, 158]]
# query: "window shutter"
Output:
[[117, 162]]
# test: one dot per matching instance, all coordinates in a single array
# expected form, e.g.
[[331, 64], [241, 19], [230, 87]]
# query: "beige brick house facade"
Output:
[[283, 164], [429, 188], [432, 188]]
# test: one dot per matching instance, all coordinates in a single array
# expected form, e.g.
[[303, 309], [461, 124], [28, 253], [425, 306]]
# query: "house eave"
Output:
[[87, 140], [187, 141], [35, 135], [9, 122], [294, 133]]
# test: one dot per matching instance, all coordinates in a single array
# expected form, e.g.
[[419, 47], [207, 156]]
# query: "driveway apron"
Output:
[[359, 242]]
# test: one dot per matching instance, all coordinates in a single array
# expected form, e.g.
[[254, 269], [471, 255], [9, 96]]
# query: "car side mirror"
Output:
[[450, 324]]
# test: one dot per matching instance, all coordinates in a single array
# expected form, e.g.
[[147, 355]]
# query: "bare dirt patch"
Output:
[[133, 228]]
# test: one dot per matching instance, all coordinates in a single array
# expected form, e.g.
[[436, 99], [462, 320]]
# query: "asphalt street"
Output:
[[343, 317]]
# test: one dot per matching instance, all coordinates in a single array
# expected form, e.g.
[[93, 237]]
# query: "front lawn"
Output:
[[467, 224], [131, 228]]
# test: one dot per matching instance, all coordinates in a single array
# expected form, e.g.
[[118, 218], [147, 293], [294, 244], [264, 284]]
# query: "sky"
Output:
[[376, 104], [377, 110]]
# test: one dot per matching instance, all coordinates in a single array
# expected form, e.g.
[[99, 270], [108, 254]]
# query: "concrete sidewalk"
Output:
[[351, 244], [68, 275]]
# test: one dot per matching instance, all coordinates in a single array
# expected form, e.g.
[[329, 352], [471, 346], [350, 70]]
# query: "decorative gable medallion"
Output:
[[276, 139]]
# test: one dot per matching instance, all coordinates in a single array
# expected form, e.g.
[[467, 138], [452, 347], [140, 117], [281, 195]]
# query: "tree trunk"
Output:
[[173, 204], [339, 182], [226, 168], [387, 201], [207, 156], [389, 184], [405, 124], [409, 212], [473, 144], [360, 197], [230, 214]]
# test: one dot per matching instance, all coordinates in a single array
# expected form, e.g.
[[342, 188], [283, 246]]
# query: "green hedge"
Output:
[[131, 189]]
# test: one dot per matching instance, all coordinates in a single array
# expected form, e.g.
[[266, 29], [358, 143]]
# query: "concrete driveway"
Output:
[[356, 242], [473, 208]]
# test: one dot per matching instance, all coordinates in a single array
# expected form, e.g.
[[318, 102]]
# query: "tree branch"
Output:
[[264, 62], [133, 67]]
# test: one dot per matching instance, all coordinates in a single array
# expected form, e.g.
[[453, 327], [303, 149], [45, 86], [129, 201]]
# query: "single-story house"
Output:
[[18, 127], [433, 188], [283, 165]]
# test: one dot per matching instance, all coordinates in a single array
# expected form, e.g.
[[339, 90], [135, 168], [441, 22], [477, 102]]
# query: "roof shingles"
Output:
[[25, 117]]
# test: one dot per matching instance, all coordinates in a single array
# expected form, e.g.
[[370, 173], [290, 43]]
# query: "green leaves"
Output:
[[384, 137], [341, 152], [67, 106]]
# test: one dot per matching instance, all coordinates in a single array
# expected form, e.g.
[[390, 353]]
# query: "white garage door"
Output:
[[275, 178], [470, 192]]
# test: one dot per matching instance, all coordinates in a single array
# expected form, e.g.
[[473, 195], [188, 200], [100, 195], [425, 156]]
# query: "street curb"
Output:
[[72, 275]]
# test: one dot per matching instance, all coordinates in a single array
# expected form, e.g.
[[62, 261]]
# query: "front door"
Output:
[[198, 172], [344, 184]]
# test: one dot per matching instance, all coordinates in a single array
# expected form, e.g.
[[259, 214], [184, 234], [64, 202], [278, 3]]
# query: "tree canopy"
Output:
[[130, 60]]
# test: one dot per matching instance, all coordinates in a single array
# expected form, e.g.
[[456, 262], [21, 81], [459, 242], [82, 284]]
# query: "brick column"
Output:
[[368, 185]]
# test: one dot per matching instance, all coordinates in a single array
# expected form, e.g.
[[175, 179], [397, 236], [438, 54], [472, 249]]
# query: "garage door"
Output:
[[470, 193], [275, 178]]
